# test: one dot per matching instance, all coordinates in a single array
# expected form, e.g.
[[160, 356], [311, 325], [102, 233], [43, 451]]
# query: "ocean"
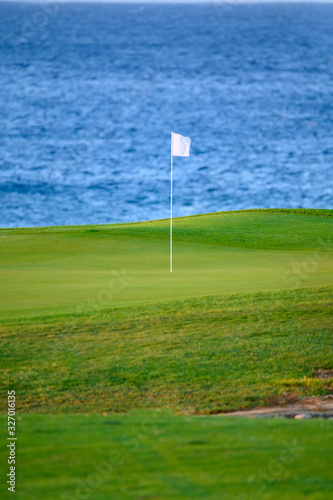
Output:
[[90, 93]]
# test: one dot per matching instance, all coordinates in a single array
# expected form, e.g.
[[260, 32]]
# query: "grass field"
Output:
[[157, 456], [55, 270], [200, 355], [92, 322]]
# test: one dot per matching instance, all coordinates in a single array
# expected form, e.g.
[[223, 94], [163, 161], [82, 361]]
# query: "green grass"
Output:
[[58, 270], [200, 355], [137, 343], [155, 455], [92, 323]]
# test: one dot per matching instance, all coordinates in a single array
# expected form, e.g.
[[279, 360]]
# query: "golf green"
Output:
[[91, 268]]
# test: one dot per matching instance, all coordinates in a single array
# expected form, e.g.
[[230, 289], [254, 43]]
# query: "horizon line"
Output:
[[174, 2]]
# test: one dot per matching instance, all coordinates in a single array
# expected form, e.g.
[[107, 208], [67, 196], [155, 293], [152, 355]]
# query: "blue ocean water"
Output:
[[90, 94]]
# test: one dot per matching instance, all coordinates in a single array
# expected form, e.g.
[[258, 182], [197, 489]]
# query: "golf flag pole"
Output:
[[171, 208], [180, 146]]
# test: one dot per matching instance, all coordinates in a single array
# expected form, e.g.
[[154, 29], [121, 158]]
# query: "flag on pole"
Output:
[[180, 146]]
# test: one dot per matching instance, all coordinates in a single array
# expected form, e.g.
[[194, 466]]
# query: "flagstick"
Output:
[[180, 146], [171, 217]]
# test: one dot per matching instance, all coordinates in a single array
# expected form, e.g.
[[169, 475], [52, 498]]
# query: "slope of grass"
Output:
[[199, 355], [90, 268], [156, 455]]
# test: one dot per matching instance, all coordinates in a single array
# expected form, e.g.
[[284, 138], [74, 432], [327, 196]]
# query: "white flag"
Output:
[[180, 146]]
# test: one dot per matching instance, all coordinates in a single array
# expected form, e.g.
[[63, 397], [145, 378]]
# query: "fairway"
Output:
[[159, 456], [91, 268]]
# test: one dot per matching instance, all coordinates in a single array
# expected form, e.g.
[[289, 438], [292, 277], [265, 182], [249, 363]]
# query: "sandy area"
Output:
[[312, 407]]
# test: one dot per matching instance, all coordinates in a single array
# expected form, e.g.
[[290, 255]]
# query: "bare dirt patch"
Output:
[[313, 407], [323, 374]]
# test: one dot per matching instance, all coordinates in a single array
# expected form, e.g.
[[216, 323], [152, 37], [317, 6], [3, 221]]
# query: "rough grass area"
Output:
[[201, 355], [159, 456]]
